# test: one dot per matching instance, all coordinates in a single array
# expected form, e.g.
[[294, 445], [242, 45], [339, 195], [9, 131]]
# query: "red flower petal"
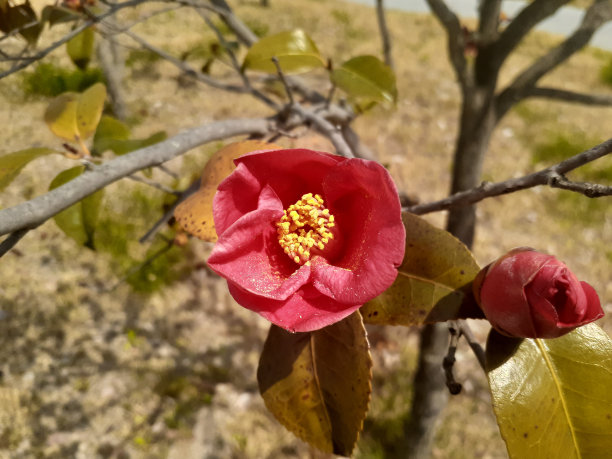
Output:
[[306, 310], [365, 203]]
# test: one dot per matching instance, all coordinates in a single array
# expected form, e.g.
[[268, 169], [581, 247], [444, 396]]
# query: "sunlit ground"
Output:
[[92, 364]]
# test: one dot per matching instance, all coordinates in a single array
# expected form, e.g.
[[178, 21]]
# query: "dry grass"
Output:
[[116, 372]]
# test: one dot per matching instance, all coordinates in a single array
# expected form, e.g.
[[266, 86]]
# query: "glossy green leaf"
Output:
[[89, 109], [11, 164], [317, 384], [434, 280], [295, 51], [79, 220], [80, 48], [553, 398], [366, 79]]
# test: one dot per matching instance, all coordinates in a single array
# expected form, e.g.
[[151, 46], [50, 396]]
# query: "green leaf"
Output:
[[11, 164], [60, 116], [89, 109], [73, 116], [79, 220], [80, 48], [317, 384], [57, 15], [114, 135], [295, 51], [15, 17], [366, 79], [434, 280], [553, 398]]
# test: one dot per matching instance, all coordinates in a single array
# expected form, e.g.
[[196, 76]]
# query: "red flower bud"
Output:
[[528, 294]]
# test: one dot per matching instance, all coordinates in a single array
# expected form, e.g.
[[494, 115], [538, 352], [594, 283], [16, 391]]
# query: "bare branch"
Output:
[[591, 190], [552, 176], [489, 20], [10, 241], [32, 213], [153, 184], [244, 34], [384, 33], [569, 96], [456, 42], [326, 128], [466, 332], [598, 14], [93, 19], [524, 23]]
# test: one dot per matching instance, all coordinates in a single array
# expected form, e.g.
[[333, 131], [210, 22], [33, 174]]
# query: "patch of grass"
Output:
[[50, 80], [606, 73]]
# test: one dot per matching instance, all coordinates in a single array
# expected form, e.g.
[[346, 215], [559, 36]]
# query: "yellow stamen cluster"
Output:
[[305, 226]]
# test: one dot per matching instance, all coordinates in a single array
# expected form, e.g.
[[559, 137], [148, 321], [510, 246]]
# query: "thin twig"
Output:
[[326, 128], [170, 212], [477, 349], [153, 184], [9, 242], [552, 176], [448, 363], [74, 32], [281, 75], [384, 33]]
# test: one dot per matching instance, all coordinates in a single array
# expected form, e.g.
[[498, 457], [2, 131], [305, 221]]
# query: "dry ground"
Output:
[[89, 370]]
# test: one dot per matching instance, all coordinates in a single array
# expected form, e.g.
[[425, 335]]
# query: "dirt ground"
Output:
[[89, 367]]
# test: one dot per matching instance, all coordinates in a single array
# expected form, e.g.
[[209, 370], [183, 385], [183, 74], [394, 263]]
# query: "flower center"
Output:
[[305, 228]]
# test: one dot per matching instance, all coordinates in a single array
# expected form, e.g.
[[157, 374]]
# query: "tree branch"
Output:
[[569, 96], [27, 60], [456, 42], [30, 214], [552, 176], [598, 14], [384, 33], [488, 23], [524, 23]]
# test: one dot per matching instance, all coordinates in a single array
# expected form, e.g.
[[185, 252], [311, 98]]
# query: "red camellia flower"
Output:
[[305, 237], [529, 294]]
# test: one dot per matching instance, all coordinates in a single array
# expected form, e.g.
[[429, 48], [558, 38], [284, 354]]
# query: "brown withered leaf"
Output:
[[195, 214]]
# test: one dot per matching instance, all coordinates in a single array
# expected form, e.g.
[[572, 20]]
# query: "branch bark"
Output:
[[384, 33], [569, 96], [552, 176], [598, 14], [30, 214], [455, 40]]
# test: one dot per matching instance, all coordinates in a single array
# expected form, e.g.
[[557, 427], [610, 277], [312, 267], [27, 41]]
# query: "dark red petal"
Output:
[[502, 294], [291, 173], [364, 201], [305, 311], [594, 309], [244, 257], [236, 196]]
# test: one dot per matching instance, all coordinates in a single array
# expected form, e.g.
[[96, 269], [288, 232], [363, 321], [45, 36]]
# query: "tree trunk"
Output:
[[430, 392]]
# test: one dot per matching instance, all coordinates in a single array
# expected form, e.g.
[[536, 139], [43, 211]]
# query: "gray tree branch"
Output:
[[384, 33], [524, 23], [598, 14], [30, 214], [489, 20], [455, 42], [569, 96], [25, 61], [553, 176]]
